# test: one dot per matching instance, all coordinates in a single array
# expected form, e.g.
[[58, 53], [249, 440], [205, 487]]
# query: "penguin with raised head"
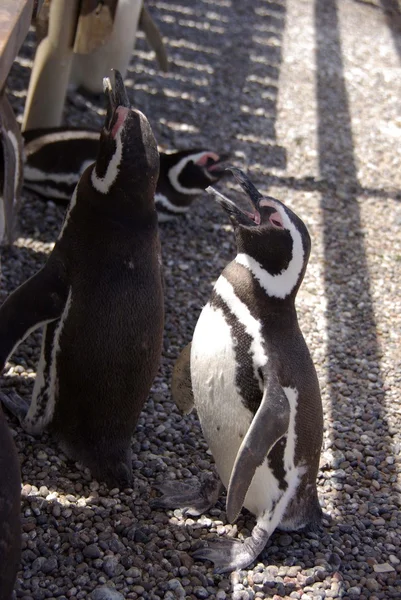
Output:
[[55, 158], [100, 300], [10, 508], [251, 378]]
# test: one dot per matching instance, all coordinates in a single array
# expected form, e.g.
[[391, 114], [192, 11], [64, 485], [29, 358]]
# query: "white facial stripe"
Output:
[[59, 136], [164, 201], [175, 172], [14, 143], [280, 285], [252, 326], [103, 184]]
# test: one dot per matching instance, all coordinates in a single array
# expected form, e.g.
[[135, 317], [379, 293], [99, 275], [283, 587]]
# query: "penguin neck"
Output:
[[126, 209], [247, 288]]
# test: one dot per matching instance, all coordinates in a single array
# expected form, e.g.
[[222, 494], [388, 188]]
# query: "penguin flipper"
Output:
[[269, 424], [41, 299], [181, 384], [16, 405]]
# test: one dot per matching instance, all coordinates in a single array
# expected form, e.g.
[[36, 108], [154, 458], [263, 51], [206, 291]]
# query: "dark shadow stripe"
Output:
[[346, 277]]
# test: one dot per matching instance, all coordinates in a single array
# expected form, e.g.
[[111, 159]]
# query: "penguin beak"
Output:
[[217, 167], [117, 96], [242, 217]]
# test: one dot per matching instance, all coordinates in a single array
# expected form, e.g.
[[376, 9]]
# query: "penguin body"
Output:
[[253, 381], [10, 508], [55, 158], [100, 300]]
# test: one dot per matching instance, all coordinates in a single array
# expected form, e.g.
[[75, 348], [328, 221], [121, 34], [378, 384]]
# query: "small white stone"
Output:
[[383, 568]]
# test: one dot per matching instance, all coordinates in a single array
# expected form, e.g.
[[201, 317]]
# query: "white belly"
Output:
[[224, 418]]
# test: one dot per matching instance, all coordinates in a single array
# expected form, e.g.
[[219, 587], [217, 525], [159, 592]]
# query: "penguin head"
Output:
[[127, 163], [190, 172], [272, 241]]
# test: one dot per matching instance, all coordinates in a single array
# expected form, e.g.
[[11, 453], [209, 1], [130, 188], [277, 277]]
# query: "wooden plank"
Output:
[[15, 19]]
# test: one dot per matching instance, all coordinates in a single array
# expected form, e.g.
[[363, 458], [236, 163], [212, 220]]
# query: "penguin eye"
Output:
[[276, 220]]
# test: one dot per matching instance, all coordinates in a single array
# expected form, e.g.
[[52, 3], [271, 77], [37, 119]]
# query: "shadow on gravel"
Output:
[[209, 45], [360, 432]]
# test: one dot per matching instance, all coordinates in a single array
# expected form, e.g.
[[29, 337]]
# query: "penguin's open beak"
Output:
[[117, 97], [217, 167], [242, 217]]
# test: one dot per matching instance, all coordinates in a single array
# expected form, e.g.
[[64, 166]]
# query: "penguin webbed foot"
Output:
[[231, 555], [194, 499], [16, 405]]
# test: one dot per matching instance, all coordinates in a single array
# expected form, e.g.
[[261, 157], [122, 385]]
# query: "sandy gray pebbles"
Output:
[[307, 97]]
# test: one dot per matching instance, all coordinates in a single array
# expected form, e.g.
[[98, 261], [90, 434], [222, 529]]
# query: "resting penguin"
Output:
[[100, 300], [10, 503], [56, 157], [253, 383]]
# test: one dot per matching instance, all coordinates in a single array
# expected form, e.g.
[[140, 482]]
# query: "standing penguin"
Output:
[[10, 508], [253, 383], [100, 300], [56, 157]]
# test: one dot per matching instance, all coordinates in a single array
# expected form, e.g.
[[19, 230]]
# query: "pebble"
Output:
[[106, 593], [383, 568], [285, 540]]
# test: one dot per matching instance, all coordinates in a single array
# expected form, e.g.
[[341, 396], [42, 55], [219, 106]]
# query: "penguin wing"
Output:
[[181, 384], [39, 300], [269, 424]]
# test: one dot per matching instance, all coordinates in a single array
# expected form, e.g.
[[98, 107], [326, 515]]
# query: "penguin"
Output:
[[11, 169], [114, 48], [56, 157], [10, 503], [99, 299], [249, 373]]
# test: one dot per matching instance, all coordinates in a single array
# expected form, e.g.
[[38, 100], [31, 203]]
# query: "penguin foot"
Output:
[[193, 499], [232, 555], [16, 405]]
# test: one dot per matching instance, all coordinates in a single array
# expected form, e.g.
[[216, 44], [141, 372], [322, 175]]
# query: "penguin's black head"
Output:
[[272, 240], [127, 163], [190, 172]]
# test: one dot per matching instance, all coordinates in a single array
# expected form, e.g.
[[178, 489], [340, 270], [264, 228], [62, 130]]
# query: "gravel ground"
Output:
[[308, 100]]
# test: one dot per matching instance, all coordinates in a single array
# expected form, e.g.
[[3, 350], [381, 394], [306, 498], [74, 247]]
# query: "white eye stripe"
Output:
[[282, 284], [103, 184], [175, 172]]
